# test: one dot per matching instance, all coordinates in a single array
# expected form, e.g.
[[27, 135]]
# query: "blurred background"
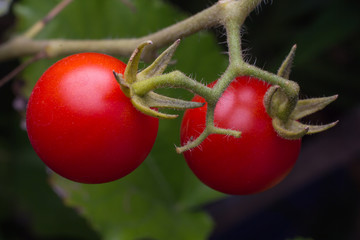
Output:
[[320, 199]]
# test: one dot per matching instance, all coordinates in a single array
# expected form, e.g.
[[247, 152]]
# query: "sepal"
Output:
[[269, 100], [142, 106], [315, 128], [160, 101], [296, 130], [132, 66], [290, 130], [160, 63], [276, 103], [306, 107], [149, 102], [125, 87], [285, 68]]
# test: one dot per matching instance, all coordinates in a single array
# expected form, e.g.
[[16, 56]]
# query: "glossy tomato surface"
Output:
[[81, 124], [253, 163]]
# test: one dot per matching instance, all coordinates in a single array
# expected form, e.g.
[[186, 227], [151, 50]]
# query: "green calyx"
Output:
[[286, 123], [148, 102]]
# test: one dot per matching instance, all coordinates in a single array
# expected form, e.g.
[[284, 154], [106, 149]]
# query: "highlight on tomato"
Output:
[[81, 124]]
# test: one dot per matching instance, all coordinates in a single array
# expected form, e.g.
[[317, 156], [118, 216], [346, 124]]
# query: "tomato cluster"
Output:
[[85, 129]]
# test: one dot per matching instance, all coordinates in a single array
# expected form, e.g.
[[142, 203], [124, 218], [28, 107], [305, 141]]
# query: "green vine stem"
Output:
[[175, 79], [233, 21], [25, 45], [281, 101], [290, 88]]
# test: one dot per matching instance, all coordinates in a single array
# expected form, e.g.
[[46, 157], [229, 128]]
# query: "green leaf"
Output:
[[162, 199], [25, 196]]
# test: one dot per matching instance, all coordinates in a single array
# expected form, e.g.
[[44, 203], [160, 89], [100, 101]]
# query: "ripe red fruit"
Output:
[[256, 161], [81, 124]]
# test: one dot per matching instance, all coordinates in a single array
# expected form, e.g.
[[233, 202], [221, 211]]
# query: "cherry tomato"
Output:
[[256, 161], [81, 124]]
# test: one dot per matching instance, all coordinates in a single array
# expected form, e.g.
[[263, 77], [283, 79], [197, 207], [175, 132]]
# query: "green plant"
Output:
[[151, 195]]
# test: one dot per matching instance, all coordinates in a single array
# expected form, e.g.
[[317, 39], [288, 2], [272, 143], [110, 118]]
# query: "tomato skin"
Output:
[[257, 161], [81, 124]]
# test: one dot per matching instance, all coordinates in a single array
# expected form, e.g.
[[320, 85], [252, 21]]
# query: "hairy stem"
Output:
[[175, 79], [290, 88], [24, 46], [235, 56], [210, 17], [229, 13]]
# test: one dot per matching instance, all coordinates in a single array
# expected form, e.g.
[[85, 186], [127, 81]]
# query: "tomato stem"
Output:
[[234, 42], [174, 79], [281, 102], [290, 88]]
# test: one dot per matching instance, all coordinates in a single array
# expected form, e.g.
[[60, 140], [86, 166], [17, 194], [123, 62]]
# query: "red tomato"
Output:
[[253, 163], [81, 124]]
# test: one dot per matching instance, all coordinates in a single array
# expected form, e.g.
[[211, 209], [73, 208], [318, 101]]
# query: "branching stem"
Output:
[[229, 13], [290, 88], [174, 79], [23, 46]]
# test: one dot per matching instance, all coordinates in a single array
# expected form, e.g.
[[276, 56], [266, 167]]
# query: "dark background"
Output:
[[320, 199]]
